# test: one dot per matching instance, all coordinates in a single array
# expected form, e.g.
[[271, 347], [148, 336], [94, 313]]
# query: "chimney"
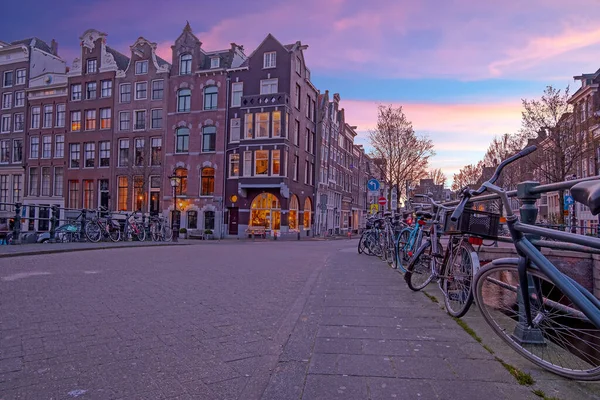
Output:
[[54, 47]]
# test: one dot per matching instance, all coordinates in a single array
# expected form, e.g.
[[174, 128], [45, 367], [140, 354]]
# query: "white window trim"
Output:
[[247, 173], [130, 93], [54, 145], [269, 82], [273, 162], [150, 119], [39, 120], [55, 116], [11, 100], [212, 62], [231, 128], [135, 91], [17, 74], [152, 89], [124, 112], [43, 116], [232, 91], [10, 125], [269, 53], [100, 128], [42, 147], [134, 119], [86, 91], [4, 78], [81, 93], [256, 159], [119, 148], [229, 175], [15, 99], [84, 122], [141, 62], [111, 89]]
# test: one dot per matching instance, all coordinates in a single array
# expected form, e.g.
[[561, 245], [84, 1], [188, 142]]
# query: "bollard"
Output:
[[17, 225], [82, 236], [53, 221], [298, 235]]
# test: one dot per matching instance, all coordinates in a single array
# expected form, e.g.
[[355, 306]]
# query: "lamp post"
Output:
[[175, 181]]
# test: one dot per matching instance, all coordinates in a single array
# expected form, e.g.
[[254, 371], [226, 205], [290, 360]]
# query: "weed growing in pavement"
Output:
[[467, 329], [432, 298], [540, 393], [523, 378]]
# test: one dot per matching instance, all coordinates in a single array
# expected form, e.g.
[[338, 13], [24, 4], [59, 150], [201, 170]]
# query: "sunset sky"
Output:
[[459, 68]]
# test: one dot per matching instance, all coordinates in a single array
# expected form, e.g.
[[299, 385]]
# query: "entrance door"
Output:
[[233, 220], [154, 203]]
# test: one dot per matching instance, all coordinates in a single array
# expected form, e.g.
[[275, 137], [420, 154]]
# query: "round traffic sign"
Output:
[[382, 201]]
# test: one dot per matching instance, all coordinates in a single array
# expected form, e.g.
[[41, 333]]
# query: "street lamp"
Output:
[[175, 181]]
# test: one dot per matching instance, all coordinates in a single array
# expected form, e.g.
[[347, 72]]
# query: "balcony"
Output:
[[264, 100]]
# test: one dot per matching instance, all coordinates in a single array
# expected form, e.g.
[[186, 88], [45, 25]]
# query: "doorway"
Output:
[[233, 220]]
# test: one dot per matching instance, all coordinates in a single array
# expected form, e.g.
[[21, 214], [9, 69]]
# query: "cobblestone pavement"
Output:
[[231, 320]]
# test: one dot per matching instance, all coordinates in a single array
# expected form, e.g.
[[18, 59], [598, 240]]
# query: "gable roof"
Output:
[[121, 59], [161, 62], [35, 43]]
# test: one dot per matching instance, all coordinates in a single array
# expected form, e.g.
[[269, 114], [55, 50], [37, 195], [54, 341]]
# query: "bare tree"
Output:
[[438, 176], [405, 155], [501, 148], [467, 176]]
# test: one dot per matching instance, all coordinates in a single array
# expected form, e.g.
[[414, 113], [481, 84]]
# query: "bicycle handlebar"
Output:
[[467, 193]]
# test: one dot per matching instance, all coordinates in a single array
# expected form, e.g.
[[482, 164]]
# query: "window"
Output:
[[46, 146], [5, 151], [123, 191], [17, 189], [182, 140], [296, 132], [185, 64], [307, 112], [106, 88], [45, 181], [91, 66], [184, 97], [141, 67], [75, 155], [33, 182], [19, 99], [75, 121], [192, 219], [76, 92], [89, 155], [88, 194], [90, 120], [139, 152], [269, 59], [307, 140], [268, 86], [140, 120], [157, 119], [209, 134], [138, 192], [104, 153], [210, 98], [123, 152], [7, 101], [35, 117], [125, 93], [181, 189], [19, 122], [90, 90], [209, 220], [261, 162], [105, 118], [207, 187], [275, 162], [237, 91], [34, 147], [103, 192], [313, 110], [306, 173], [295, 168], [156, 151], [8, 78], [5, 123], [312, 145], [17, 150], [141, 90], [74, 194], [214, 62], [297, 100], [234, 133], [48, 114], [247, 163], [124, 120], [262, 125], [234, 165], [3, 192], [60, 115], [58, 181], [276, 124], [21, 76], [298, 66], [285, 163], [158, 89], [248, 126]]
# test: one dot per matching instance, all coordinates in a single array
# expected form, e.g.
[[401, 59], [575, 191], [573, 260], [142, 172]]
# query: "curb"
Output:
[[75, 249]]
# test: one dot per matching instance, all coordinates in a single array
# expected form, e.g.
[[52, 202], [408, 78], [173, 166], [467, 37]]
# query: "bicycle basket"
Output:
[[473, 222]]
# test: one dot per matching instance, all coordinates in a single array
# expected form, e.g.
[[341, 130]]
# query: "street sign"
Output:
[[566, 212], [569, 200], [382, 201], [373, 185], [374, 208]]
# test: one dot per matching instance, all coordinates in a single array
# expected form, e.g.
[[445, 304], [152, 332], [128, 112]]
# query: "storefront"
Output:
[[266, 211]]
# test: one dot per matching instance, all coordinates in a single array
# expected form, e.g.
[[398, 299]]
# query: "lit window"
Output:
[[275, 162], [90, 120], [261, 162], [276, 124], [105, 118], [262, 125], [234, 165], [207, 187]]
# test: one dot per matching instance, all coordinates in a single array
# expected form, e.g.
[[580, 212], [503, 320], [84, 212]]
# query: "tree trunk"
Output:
[[561, 207]]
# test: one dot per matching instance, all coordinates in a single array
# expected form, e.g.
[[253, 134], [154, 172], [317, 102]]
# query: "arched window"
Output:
[[184, 100], [209, 136], [207, 187], [182, 140], [266, 211], [293, 219], [210, 98], [185, 64], [182, 173], [307, 213]]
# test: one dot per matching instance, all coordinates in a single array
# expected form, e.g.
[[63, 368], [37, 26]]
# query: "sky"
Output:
[[458, 68]]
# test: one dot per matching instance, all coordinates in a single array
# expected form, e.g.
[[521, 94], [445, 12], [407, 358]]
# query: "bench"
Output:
[[257, 231]]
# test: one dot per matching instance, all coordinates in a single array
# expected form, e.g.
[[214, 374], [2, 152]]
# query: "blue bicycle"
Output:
[[409, 240]]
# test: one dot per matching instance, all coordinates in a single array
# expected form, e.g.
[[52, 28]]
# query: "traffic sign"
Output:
[[569, 200], [373, 185], [566, 212], [374, 208], [382, 201]]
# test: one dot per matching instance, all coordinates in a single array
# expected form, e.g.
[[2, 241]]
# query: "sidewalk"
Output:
[[363, 334]]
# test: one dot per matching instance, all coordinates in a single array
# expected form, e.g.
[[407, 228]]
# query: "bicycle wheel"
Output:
[[457, 279], [562, 340], [93, 232], [166, 233], [361, 243], [155, 232], [114, 231], [139, 232], [420, 270], [402, 249]]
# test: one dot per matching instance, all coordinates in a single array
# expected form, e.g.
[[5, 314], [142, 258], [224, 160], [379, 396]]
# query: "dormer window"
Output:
[[141, 67], [214, 62], [185, 64], [269, 60], [91, 66]]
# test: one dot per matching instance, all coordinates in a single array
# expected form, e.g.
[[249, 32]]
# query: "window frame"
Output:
[[34, 141], [104, 151], [234, 93], [44, 143], [262, 159], [12, 80], [231, 165], [186, 142], [136, 127], [95, 114], [188, 63], [57, 153], [269, 59], [120, 159], [210, 181], [152, 119], [107, 89], [7, 95], [188, 96], [88, 63], [161, 90], [212, 134], [87, 151], [121, 93], [76, 146], [38, 113], [24, 70], [210, 99], [61, 110], [5, 117], [145, 83], [88, 91], [109, 118], [141, 63], [121, 113], [269, 83]]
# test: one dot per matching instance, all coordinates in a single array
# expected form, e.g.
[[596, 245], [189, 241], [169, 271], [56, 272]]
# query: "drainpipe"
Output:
[[225, 158]]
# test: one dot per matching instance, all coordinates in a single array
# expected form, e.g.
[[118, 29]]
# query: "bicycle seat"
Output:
[[588, 193], [424, 214]]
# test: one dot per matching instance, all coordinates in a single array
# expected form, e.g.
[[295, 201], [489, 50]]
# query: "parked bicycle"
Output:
[[159, 229], [133, 228], [100, 227]]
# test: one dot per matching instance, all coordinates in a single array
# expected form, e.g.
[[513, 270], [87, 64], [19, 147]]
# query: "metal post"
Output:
[[174, 224], [17, 225], [83, 224], [53, 223], [528, 208]]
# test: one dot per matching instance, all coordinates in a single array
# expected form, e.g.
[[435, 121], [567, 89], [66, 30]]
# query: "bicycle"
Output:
[[410, 239], [160, 230], [102, 227], [542, 314], [133, 228]]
